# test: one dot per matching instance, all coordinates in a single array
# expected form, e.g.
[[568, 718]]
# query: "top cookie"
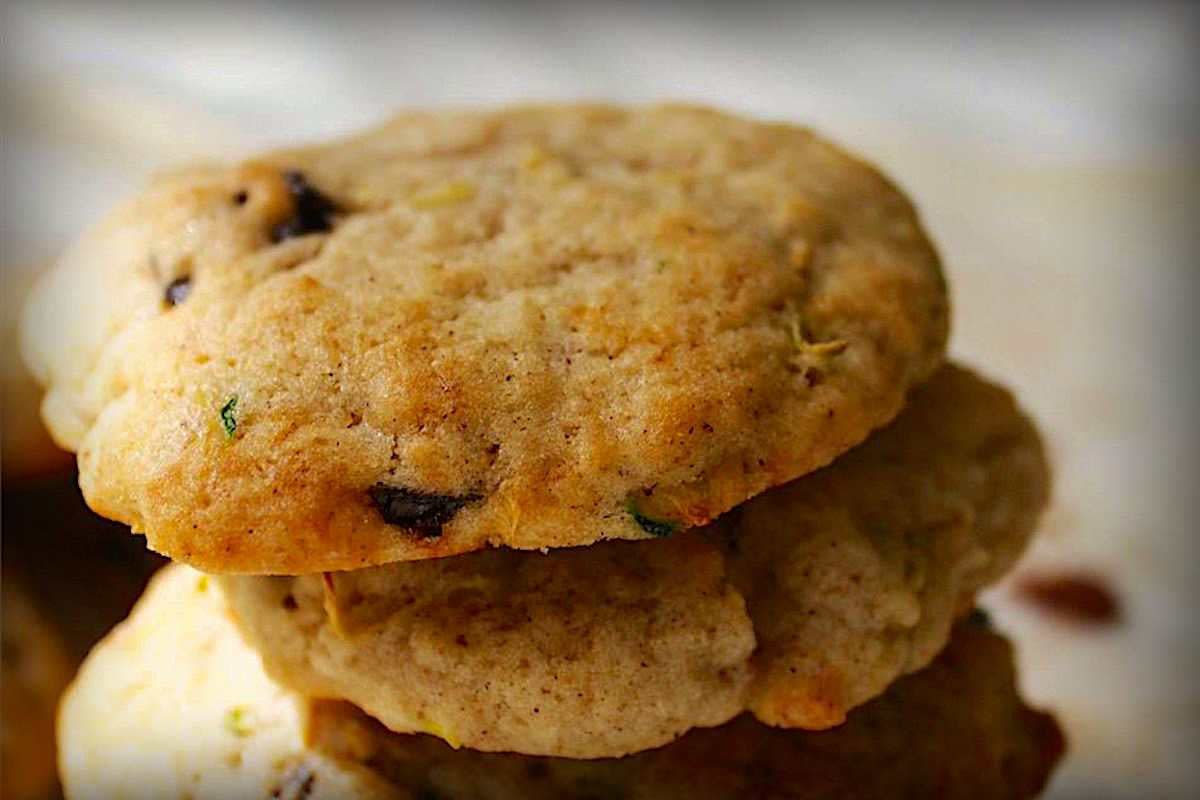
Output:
[[536, 327]]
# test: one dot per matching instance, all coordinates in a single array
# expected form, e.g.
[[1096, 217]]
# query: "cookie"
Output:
[[26, 449], [83, 573], [534, 327], [172, 704], [805, 602], [199, 719], [34, 669]]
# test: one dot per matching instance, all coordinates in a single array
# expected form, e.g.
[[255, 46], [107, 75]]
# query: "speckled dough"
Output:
[[802, 604], [200, 720], [538, 325]]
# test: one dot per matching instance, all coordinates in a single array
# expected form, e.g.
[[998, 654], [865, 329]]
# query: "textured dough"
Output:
[[556, 316], [800, 605], [955, 730]]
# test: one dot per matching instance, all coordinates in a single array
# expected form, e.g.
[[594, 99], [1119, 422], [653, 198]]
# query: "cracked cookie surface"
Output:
[[199, 720], [566, 324], [802, 604]]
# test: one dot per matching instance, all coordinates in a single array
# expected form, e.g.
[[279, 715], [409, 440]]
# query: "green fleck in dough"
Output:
[[229, 417], [655, 527], [237, 721]]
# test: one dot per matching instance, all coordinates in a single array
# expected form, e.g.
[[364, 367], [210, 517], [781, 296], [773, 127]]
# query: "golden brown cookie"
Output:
[[805, 602], [956, 729], [198, 719], [534, 327]]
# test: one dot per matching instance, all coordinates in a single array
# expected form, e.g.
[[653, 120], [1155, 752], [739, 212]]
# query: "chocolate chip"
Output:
[[313, 212], [422, 512], [178, 290]]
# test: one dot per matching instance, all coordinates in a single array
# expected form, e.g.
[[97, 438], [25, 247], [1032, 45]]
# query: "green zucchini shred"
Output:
[[655, 527], [228, 415]]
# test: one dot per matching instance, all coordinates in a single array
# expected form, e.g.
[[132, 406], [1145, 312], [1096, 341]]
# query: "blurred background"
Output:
[[1054, 152]]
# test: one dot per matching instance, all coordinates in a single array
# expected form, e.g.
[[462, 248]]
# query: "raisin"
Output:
[[313, 211], [178, 290], [422, 512]]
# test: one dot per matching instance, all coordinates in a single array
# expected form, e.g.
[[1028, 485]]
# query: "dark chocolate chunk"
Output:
[[313, 212], [178, 290], [422, 512]]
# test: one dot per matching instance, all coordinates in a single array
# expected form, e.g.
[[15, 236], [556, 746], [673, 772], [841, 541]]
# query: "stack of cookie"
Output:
[[613, 448]]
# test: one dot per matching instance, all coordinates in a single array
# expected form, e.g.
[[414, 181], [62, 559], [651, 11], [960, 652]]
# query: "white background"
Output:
[[1052, 150]]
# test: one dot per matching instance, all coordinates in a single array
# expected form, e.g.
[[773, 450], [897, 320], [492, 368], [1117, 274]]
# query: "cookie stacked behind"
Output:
[[543, 330], [33, 672], [175, 704]]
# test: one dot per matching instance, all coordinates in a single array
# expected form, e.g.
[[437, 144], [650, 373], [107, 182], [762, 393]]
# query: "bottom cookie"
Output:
[[34, 668], [173, 704]]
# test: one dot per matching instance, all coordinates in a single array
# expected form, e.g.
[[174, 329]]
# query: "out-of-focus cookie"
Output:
[[26, 449], [172, 704], [82, 572], [798, 606], [534, 327], [69, 576], [34, 670], [199, 719]]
